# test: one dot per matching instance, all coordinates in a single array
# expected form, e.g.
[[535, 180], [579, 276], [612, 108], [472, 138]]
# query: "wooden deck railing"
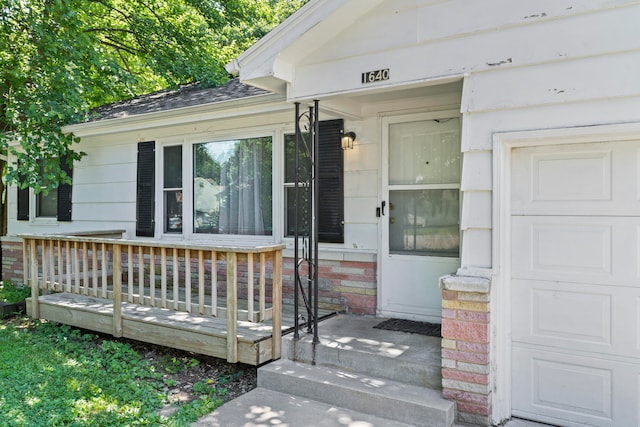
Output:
[[219, 281]]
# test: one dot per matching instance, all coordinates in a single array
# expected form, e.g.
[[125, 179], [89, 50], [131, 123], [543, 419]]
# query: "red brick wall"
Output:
[[12, 260], [345, 286], [465, 347]]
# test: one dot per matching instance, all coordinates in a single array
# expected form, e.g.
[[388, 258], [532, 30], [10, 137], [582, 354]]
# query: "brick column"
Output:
[[465, 347]]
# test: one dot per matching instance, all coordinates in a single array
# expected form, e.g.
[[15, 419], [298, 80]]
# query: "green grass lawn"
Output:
[[55, 375]]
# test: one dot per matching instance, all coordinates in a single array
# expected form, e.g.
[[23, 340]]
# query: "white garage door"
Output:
[[575, 283]]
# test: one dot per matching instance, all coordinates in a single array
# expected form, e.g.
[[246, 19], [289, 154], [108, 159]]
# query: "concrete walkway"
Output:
[[257, 409], [268, 408]]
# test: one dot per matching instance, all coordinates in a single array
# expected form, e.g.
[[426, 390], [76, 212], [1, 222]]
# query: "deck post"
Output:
[[232, 307], [33, 277], [250, 313], [277, 304], [117, 290]]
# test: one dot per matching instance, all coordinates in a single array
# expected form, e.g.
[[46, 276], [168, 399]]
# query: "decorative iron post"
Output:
[[306, 218]]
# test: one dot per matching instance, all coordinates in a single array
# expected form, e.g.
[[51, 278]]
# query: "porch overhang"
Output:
[[270, 63]]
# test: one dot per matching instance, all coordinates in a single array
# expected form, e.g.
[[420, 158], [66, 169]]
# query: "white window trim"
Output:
[[38, 220], [277, 176]]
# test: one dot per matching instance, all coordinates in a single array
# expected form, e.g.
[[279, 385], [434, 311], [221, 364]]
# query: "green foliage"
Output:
[[60, 58], [55, 375], [175, 365], [10, 292]]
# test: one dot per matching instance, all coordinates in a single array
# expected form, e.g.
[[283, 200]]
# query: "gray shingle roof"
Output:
[[184, 96]]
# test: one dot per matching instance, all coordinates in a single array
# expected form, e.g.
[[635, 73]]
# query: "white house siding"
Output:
[[103, 195], [361, 186], [104, 184], [104, 188], [515, 58], [526, 66]]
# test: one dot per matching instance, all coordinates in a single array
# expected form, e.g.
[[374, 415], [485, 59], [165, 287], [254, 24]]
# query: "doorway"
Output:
[[420, 212]]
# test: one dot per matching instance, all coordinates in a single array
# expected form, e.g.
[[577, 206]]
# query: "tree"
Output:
[[60, 58]]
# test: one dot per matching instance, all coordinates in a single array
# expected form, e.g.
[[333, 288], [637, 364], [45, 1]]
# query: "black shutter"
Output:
[[64, 193], [330, 183], [23, 203], [145, 193]]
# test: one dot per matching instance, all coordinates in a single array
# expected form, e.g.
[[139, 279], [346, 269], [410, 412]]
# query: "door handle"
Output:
[[383, 204]]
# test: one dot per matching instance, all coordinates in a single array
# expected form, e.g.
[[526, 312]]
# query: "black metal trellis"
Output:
[[306, 219]]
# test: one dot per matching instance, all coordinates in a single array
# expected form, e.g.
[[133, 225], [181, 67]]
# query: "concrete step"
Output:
[[262, 407], [351, 343], [379, 397]]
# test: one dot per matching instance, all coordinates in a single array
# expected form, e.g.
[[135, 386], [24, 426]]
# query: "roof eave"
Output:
[[177, 116]]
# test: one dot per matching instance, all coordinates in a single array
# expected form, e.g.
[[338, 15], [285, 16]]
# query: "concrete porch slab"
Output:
[[357, 333]]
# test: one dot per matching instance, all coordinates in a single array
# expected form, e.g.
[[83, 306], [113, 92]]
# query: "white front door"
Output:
[[575, 283], [420, 236]]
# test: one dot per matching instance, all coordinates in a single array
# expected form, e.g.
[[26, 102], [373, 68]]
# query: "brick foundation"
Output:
[[345, 286], [465, 347], [12, 260]]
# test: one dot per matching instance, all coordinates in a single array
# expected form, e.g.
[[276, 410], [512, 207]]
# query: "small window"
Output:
[[47, 204], [55, 204], [173, 189], [232, 187]]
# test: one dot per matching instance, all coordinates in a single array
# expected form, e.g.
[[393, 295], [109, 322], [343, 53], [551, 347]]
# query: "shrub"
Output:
[[10, 292]]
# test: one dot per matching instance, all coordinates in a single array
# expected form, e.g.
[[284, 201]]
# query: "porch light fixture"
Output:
[[347, 140]]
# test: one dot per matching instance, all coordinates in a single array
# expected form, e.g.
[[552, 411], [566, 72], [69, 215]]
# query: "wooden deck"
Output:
[[185, 331], [225, 302]]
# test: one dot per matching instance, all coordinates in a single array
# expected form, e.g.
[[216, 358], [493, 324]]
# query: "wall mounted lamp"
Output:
[[347, 140]]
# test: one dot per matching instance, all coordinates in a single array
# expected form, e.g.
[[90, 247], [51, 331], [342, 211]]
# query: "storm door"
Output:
[[420, 211]]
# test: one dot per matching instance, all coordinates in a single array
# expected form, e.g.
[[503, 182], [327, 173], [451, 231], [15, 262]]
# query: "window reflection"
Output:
[[232, 187], [424, 222]]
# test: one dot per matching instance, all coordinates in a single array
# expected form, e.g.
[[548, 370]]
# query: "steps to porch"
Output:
[[356, 375]]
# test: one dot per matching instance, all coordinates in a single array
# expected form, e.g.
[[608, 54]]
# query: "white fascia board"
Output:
[[299, 35], [178, 116], [265, 50]]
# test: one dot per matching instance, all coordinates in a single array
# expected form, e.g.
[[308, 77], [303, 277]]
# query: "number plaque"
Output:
[[375, 76]]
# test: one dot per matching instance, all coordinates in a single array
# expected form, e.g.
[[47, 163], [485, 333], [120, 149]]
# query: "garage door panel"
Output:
[[573, 176], [588, 320], [578, 390], [598, 250], [577, 317], [577, 179], [575, 283]]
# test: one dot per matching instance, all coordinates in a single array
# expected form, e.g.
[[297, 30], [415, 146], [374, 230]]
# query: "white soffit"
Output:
[[269, 63]]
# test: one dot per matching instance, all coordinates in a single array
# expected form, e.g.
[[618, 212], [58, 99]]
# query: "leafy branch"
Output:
[[61, 58]]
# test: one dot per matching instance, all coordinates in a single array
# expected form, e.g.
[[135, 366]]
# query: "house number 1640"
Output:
[[375, 76]]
